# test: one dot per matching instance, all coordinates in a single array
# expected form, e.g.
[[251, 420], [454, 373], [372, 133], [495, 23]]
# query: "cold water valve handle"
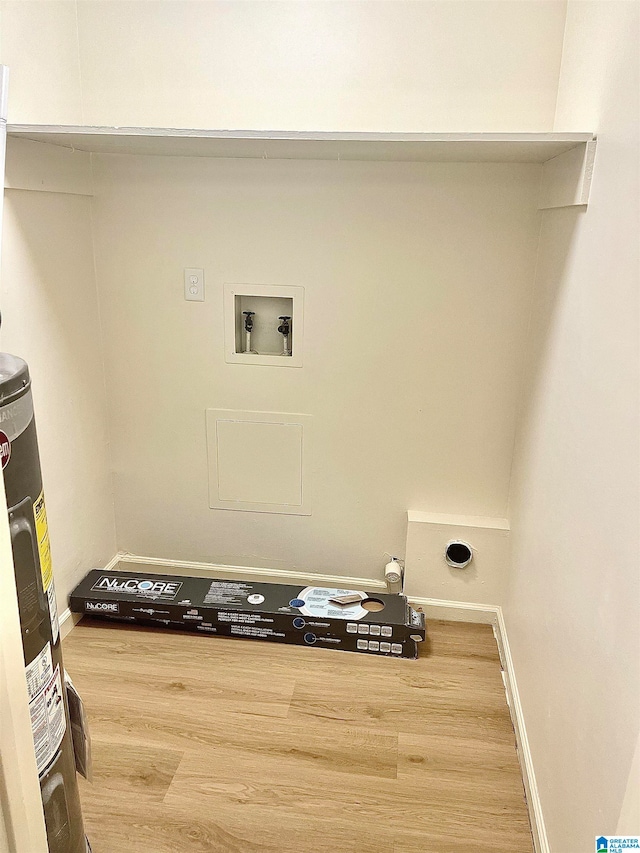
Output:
[[248, 321], [285, 330], [248, 326]]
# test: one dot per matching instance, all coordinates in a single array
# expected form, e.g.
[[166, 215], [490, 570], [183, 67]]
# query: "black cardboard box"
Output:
[[376, 623]]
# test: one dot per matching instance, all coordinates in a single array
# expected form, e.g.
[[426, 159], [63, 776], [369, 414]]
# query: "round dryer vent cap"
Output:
[[458, 553]]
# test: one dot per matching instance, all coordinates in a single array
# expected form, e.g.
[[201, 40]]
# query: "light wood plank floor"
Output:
[[215, 745]]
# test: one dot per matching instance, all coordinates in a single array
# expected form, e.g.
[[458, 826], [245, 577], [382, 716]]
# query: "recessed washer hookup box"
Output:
[[352, 620]]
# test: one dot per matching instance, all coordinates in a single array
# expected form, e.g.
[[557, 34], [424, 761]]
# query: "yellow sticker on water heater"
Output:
[[46, 567], [44, 547]]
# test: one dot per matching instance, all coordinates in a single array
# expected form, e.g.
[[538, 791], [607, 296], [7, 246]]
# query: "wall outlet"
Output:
[[194, 285]]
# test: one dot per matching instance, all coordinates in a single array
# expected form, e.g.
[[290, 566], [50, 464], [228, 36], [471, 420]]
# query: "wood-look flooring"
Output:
[[216, 745]]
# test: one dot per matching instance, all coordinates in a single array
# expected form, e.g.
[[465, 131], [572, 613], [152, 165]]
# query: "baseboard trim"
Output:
[[457, 611], [266, 575], [462, 611], [536, 817], [68, 622]]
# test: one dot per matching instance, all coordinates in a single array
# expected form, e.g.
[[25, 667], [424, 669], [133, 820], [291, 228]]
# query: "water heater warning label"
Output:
[[46, 568], [48, 721], [39, 672]]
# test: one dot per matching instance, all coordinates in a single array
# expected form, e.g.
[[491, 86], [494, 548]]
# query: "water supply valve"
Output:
[[285, 330], [248, 326]]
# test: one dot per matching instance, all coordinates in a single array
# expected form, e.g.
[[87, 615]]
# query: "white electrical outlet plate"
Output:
[[194, 285]]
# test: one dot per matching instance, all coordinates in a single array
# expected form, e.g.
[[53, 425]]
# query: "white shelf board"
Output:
[[291, 145]]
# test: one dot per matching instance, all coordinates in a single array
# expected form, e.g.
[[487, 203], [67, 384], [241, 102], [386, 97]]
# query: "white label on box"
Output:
[[316, 601], [396, 649], [374, 645], [363, 629], [352, 628], [385, 647], [386, 631], [375, 630], [362, 644]]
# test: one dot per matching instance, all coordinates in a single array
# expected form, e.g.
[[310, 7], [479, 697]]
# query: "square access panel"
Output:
[[259, 461], [268, 303]]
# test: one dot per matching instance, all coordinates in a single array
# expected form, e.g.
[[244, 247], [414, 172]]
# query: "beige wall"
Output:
[[50, 318], [39, 43], [4, 841], [381, 66], [417, 285], [573, 610], [401, 66], [629, 818], [416, 414]]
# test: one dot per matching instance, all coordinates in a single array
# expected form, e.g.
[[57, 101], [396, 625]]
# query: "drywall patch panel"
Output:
[[259, 461]]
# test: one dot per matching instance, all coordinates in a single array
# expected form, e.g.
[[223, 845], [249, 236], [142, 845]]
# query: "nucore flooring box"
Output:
[[347, 619]]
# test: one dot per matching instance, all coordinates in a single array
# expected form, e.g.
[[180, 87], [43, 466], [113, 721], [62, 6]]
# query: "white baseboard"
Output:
[[457, 611], [68, 622], [264, 575], [113, 562], [536, 817], [461, 611]]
